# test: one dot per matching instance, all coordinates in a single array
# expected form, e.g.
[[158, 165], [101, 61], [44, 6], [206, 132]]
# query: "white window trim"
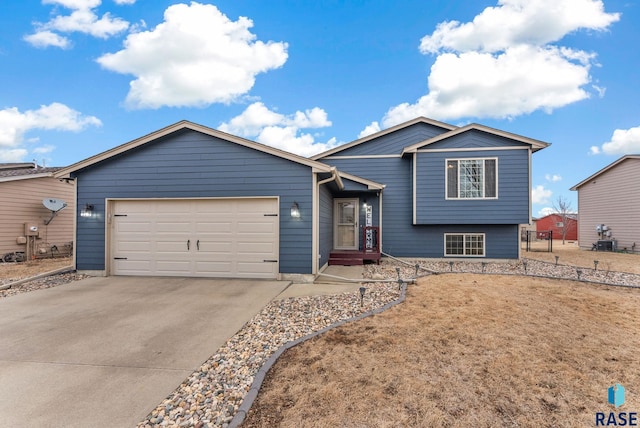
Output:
[[464, 235], [446, 180]]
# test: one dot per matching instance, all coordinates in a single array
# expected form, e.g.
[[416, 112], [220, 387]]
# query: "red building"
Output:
[[554, 223]]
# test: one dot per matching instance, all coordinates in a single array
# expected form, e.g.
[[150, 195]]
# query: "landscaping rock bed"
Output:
[[212, 395], [38, 284]]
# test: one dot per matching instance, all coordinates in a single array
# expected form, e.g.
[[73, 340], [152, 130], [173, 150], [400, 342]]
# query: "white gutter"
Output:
[[334, 176]]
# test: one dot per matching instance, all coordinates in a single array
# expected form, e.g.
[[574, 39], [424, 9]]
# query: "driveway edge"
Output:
[[33, 278]]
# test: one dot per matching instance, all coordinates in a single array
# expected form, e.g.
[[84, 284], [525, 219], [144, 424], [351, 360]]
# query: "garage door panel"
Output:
[[254, 227], [134, 246], [216, 247], [173, 227], [247, 268], [219, 268], [266, 248], [173, 246], [172, 267], [137, 267], [209, 226], [235, 237], [142, 226]]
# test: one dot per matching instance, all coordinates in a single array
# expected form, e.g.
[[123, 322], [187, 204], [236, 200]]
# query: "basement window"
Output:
[[464, 244]]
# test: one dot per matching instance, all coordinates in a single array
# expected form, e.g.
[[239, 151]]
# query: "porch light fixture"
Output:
[[87, 211], [295, 210]]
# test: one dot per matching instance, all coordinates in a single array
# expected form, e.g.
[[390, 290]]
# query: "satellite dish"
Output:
[[53, 205]]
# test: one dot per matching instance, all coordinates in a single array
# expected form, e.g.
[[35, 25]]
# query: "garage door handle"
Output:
[[198, 244], [188, 244], [270, 261]]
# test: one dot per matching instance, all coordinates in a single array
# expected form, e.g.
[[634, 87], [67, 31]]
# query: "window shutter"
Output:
[[452, 179], [490, 188]]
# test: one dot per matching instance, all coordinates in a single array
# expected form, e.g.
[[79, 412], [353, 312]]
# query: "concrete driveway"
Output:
[[106, 351]]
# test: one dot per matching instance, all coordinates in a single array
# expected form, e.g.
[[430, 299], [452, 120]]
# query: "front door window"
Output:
[[346, 224]]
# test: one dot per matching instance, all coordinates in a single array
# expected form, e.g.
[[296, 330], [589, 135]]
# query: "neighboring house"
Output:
[[609, 205], [529, 229], [557, 224], [188, 200], [23, 186]]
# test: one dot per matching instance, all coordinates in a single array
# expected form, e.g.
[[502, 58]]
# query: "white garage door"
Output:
[[224, 238]]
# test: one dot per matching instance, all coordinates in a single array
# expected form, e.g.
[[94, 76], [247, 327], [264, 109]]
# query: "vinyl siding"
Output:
[[402, 239], [613, 199], [474, 139], [21, 202], [189, 164], [510, 207], [395, 142], [397, 235]]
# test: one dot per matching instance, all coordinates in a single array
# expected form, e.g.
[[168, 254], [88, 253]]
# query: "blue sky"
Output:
[[82, 76]]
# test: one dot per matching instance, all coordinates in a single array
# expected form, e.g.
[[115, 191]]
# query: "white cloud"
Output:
[[553, 178], [545, 212], [43, 149], [502, 64], [205, 58], [281, 131], [46, 38], [519, 81], [83, 19], [86, 21], [518, 22], [55, 116], [12, 155], [540, 195], [623, 141], [125, 1], [74, 4], [372, 128]]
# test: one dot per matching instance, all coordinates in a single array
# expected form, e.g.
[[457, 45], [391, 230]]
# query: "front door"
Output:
[[346, 224]]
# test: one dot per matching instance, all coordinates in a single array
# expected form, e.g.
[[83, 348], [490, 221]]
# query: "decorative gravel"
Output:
[[211, 396], [39, 284]]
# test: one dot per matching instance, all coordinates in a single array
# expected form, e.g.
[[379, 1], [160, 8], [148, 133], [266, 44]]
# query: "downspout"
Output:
[[334, 176], [316, 215]]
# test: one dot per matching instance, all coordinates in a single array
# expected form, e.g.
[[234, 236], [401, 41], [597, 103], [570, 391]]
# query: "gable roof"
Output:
[[570, 216], [185, 124], [605, 169], [378, 134], [535, 144], [371, 185]]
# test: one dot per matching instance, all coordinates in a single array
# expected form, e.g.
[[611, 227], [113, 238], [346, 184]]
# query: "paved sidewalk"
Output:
[[329, 283]]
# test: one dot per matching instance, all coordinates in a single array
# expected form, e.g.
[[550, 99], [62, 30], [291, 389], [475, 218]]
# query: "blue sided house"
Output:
[[188, 200]]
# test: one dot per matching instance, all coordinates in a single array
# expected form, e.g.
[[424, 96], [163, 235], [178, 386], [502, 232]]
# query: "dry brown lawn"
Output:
[[570, 254], [32, 267], [465, 350]]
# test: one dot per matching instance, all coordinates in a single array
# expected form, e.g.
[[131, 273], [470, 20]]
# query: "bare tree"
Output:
[[563, 208]]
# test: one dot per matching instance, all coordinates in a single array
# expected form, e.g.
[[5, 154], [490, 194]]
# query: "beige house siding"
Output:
[[21, 202], [611, 198]]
